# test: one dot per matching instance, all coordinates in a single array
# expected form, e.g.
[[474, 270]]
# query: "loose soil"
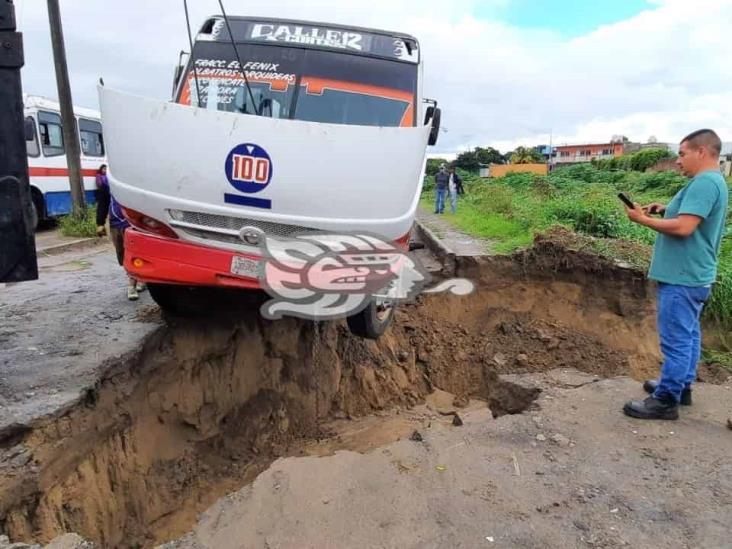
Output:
[[206, 405]]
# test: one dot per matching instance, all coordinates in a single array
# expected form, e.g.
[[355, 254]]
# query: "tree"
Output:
[[489, 155], [468, 161], [480, 156], [525, 155]]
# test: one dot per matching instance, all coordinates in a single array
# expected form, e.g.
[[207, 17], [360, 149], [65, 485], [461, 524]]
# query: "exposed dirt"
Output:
[[573, 473], [204, 406]]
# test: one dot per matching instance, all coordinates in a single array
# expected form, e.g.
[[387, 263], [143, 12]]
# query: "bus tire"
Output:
[[37, 209], [34, 216], [372, 321], [177, 300]]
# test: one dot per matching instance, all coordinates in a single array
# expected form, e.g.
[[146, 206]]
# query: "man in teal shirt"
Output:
[[685, 266]]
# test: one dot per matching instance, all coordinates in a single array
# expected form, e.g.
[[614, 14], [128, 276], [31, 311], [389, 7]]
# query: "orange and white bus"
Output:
[[276, 128]]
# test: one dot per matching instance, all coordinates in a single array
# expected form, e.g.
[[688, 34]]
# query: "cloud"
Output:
[[659, 73]]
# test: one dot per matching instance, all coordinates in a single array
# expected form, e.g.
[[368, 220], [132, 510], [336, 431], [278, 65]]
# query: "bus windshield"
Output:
[[301, 84]]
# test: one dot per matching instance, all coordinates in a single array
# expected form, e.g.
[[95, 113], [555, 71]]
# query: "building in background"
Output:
[[547, 151], [576, 154], [652, 143], [499, 170]]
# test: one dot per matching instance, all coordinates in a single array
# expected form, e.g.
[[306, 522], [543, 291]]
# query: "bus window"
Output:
[[92, 141], [31, 137], [52, 138]]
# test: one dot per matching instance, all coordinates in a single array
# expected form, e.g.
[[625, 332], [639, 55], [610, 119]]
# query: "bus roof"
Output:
[[311, 24], [38, 102], [298, 33]]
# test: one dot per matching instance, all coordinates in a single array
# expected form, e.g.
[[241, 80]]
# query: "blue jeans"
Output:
[[679, 311], [453, 201], [440, 201]]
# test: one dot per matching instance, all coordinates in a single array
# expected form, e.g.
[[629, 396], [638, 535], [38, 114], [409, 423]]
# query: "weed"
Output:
[[82, 227]]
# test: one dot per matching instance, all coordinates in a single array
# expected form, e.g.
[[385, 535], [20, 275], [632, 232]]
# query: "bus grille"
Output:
[[225, 228]]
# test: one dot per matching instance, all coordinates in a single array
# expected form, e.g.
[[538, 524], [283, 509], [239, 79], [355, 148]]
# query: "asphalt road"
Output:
[[59, 332]]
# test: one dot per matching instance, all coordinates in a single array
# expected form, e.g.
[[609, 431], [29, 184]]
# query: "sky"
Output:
[[505, 72]]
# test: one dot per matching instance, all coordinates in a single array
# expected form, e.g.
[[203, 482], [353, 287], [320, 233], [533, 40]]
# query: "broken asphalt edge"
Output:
[[444, 254], [80, 244]]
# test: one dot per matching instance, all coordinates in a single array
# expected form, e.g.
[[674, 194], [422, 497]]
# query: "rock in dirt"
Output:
[[500, 359], [416, 437], [5, 544], [522, 359], [561, 440], [457, 421], [729, 424], [69, 541]]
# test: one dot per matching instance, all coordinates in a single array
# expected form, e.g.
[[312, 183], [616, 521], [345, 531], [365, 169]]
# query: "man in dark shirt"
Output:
[[442, 180]]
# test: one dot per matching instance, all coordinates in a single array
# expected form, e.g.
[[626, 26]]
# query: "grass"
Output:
[[84, 227], [723, 358], [507, 234], [511, 210]]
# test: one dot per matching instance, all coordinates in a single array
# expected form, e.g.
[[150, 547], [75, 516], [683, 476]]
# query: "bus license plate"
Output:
[[243, 266]]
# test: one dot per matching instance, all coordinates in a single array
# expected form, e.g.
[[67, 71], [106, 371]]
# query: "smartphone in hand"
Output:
[[627, 201]]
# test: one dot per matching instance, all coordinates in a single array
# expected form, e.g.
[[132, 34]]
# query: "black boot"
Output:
[[650, 385], [652, 408]]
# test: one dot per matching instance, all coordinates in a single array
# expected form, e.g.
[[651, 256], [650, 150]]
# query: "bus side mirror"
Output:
[[182, 57], [434, 114], [30, 131], [176, 77]]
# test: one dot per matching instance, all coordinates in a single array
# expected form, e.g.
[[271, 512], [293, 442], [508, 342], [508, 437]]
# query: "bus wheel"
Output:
[[372, 322], [177, 300], [38, 209], [34, 216]]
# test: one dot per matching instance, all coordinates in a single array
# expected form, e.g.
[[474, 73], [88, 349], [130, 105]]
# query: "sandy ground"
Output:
[[572, 472]]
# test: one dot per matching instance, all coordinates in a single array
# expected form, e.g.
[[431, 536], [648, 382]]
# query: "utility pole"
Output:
[[71, 135], [551, 149], [17, 245]]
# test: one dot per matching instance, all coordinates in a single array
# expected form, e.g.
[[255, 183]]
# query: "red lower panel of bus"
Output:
[[162, 260]]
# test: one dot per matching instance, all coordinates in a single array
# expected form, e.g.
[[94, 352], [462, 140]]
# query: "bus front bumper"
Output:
[[160, 260]]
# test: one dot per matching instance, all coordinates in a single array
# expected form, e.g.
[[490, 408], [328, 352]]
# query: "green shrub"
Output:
[[500, 199], [667, 183], [598, 216], [638, 161], [84, 227], [719, 305]]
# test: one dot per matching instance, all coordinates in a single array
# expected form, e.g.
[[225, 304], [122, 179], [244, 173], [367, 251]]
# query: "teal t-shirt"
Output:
[[692, 261]]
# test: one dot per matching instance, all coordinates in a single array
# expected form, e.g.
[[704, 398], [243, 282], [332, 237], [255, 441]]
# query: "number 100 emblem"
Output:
[[248, 168]]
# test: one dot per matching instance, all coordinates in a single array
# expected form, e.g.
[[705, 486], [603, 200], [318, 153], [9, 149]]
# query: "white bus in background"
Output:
[[47, 165]]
